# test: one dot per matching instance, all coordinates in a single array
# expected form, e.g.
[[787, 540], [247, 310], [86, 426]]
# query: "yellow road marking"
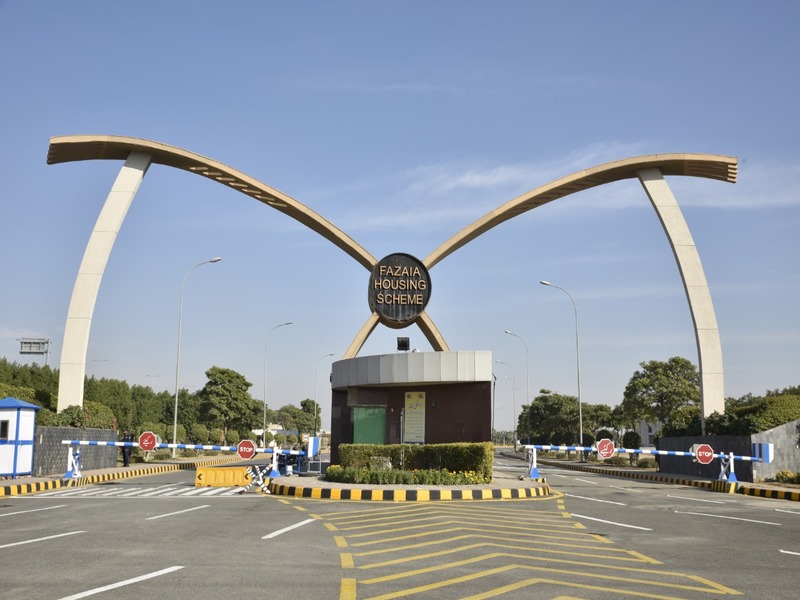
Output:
[[717, 587], [347, 589]]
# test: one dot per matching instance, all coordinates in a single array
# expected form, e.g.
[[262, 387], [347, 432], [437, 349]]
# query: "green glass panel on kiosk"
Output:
[[369, 425]]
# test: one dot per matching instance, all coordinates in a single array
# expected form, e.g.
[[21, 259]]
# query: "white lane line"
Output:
[[177, 512], [285, 529], [119, 584], [791, 512], [611, 522], [789, 552], [596, 500], [585, 481], [49, 537], [625, 489], [679, 512], [22, 512], [696, 499]]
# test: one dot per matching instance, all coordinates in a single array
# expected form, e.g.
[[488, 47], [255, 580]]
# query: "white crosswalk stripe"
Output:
[[167, 491]]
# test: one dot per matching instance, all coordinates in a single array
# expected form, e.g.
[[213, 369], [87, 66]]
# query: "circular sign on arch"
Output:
[[399, 290]]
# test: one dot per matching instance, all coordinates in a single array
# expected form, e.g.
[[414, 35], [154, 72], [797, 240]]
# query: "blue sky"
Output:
[[402, 123]]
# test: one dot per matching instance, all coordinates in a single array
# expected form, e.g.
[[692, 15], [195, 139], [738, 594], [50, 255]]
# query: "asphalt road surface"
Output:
[[596, 537]]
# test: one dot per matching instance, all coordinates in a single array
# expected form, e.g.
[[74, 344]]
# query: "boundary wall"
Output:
[[50, 455], [738, 444], [786, 439]]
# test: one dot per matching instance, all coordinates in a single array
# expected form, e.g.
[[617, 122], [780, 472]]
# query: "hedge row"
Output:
[[461, 457]]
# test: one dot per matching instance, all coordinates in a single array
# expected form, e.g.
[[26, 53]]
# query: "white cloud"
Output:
[[450, 195]]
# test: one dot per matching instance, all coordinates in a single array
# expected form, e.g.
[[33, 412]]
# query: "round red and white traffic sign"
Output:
[[605, 448], [704, 454], [246, 449], [148, 441]]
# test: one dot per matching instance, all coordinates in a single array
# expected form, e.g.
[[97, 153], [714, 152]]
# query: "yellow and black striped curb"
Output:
[[717, 486], [765, 493], [410, 494], [54, 484]]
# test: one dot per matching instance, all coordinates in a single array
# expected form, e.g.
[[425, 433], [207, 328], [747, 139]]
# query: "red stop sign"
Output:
[[246, 449], [605, 448], [147, 441], [704, 454]]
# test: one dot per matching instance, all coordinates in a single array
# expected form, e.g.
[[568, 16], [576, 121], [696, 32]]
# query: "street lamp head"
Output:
[[543, 282], [507, 331], [215, 259]]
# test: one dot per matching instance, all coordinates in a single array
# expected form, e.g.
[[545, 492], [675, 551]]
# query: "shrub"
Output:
[[785, 476], [200, 433], [618, 461], [457, 457], [646, 463], [631, 440], [340, 474]]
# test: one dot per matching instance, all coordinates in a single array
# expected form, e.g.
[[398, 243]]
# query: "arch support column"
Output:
[[709, 348], [87, 284]]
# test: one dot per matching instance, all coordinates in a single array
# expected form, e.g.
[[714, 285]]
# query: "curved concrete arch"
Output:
[[650, 171], [711, 166], [139, 154], [111, 147]]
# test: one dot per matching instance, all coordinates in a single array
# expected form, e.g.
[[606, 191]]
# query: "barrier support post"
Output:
[[73, 464], [534, 470], [731, 472], [274, 472]]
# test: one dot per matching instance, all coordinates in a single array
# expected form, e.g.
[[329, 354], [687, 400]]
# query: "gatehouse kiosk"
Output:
[[411, 398], [17, 424]]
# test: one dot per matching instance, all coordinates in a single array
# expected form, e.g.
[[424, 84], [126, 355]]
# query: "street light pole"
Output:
[[527, 368], [513, 401], [266, 340], [178, 359], [316, 404], [577, 356]]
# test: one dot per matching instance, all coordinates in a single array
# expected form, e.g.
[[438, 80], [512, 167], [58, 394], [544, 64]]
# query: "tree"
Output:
[[148, 407], [660, 390], [553, 418], [292, 418], [596, 416], [113, 393], [313, 416], [225, 401]]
